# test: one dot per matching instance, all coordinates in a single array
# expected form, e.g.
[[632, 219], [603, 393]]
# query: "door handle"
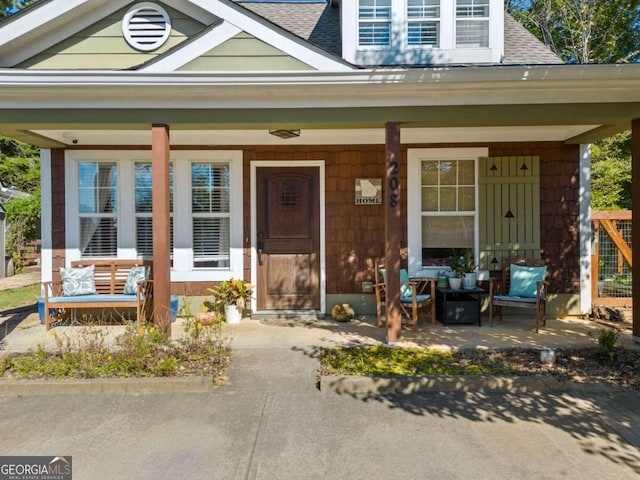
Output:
[[260, 250]]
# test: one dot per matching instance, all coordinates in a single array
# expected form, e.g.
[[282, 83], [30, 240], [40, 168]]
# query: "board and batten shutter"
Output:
[[509, 207]]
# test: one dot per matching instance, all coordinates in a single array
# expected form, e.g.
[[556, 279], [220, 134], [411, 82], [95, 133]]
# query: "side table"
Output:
[[461, 306]]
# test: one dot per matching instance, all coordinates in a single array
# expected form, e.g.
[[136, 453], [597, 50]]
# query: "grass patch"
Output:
[[383, 360], [142, 351], [19, 297]]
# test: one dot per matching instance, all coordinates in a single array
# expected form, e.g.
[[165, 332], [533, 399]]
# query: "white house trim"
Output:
[[585, 229], [279, 38], [254, 219], [183, 270], [181, 56], [414, 199], [46, 215]]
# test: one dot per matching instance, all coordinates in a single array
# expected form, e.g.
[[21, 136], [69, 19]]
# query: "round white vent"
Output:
[[146, 26]]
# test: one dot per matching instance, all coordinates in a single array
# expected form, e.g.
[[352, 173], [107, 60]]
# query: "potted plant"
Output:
[[464, 269], [232, 297]]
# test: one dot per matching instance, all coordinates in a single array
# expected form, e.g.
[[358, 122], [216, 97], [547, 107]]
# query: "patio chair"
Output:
[[522, 285], [414, 295]]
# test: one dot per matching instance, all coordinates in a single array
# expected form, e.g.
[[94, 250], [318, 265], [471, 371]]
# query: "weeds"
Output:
[[382, 360], [142, 351]]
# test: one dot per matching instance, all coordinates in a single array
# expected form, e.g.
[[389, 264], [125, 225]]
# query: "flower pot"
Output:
[[455, 283], [232, 313], [469, 280], [206, 318], [443, 281]]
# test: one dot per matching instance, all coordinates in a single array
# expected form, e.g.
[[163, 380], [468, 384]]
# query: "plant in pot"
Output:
[[232, 297], [463, 269]]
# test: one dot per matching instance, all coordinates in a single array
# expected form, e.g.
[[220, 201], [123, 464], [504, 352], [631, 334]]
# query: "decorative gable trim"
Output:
[[241, 19]]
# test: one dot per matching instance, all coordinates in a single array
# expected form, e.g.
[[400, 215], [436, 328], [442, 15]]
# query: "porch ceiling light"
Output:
[[285, 133]]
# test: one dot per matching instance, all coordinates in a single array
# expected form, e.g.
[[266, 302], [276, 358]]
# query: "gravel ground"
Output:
[[621, 368]]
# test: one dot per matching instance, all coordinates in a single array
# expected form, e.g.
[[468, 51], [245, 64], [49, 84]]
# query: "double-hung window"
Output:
[[210, 210], [98, 208], [374, 23], [143, 213], [472, 23], [448, 209], [423, 23]]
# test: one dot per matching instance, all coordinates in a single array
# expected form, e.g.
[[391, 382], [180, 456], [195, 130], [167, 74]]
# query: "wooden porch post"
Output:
[[160, 148], [392, 232], [635, 224]]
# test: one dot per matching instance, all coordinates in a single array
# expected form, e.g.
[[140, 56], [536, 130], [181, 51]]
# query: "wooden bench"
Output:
[[110, 277], [500, 293]]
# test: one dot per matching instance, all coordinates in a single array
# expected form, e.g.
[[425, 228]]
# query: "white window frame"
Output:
[[183, 270], [415, 157], [375, 21], [400, 52], [422, 20], [148, 215], [474, 19]]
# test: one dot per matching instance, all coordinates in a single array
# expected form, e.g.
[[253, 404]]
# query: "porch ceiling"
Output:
[[571, 103]]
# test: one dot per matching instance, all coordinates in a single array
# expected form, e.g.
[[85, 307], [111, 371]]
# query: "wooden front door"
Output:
[[288, 238]]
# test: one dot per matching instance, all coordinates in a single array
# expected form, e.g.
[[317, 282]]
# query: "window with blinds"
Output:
[[210, 210], [374, 22], [143, 209], [423, 26], [98, 208], [472, 23], [448, 196]]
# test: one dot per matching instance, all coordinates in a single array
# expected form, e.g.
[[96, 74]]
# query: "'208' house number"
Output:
[[393, 182]]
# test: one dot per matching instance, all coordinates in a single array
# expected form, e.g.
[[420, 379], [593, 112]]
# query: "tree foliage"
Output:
[[592, 31], [584, 31], [611, 173], [7, 7], [19, 165]]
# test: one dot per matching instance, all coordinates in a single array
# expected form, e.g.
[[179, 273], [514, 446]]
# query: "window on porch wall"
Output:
[[98, 208], [472, 23], [210, 209], [448, 199], [374, 23], [144, 205]]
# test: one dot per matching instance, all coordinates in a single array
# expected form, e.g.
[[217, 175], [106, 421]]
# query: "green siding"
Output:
[[505, 186], [102, 45], [245, 53]]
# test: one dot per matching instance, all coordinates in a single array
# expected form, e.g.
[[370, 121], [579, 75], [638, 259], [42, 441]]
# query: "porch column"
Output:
[[635, 224], [392, 232], [160, 220]]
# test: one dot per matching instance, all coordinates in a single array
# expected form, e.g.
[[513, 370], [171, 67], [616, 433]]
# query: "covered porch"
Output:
[[550, 108]]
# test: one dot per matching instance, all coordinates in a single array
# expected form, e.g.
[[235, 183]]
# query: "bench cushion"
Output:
[[514, 298], [96, 298]]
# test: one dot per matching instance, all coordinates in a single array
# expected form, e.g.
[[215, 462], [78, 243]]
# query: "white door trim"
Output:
[[254, 223]]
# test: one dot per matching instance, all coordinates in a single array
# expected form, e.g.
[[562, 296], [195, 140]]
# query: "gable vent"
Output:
[[146, 26]]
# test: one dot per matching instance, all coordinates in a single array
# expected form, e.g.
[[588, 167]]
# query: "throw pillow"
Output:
[[78, 281], [136, 274], [524, 280]]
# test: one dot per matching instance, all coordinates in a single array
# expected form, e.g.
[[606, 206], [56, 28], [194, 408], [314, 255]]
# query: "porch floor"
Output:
[[20, 332]]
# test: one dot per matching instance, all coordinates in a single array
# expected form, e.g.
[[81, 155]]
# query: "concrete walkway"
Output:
[[270, 421]]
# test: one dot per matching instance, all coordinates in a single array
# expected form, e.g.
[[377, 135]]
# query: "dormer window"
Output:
[[422, 32], [374, 23], [472, 23], [423, 22]]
